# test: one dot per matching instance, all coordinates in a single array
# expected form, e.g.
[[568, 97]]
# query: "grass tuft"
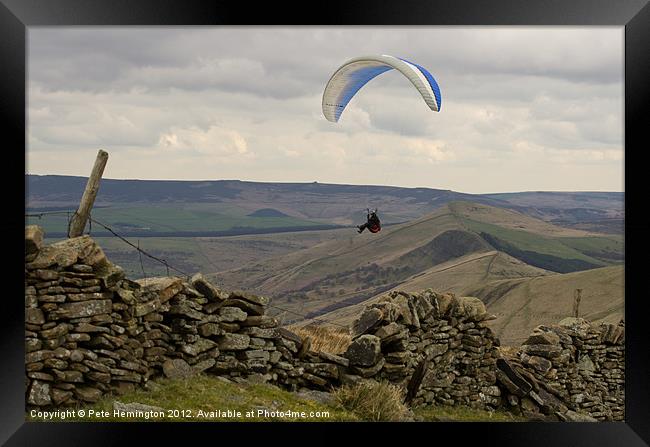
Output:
[[373, 401]]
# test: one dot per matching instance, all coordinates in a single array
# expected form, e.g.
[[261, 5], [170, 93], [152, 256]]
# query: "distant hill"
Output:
[[597, 211], [564, 200], [328, 204], [57, 188], [539, 243]]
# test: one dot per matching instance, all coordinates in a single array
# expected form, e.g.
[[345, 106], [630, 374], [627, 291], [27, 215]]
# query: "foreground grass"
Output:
[[183, 400], [464, 414]]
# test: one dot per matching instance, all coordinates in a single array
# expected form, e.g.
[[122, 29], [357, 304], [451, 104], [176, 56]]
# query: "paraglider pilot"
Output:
[[373, 225]]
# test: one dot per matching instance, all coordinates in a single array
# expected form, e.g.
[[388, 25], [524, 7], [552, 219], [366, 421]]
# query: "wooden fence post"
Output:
[[79, 219], [577, 294]]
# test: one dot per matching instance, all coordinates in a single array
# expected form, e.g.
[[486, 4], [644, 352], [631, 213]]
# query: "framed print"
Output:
[[417, 215]]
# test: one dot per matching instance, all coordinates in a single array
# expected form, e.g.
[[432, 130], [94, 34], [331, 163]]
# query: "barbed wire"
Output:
[[164, 262], [309, 318], [137, 247], [48, 213]]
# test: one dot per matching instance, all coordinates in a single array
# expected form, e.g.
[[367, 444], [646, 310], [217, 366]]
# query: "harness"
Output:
[[373, 225]]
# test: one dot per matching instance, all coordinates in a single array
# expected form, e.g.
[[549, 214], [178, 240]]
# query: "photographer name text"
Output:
[[258, 413]]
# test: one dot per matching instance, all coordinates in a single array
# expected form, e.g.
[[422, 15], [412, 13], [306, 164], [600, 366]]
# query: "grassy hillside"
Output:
[[591, 211], [342, 272], [510, 220], [522, 304], [564, 200], [350, 252], [606, 249], [543, 252], [348, 271], [539, 243], [460, 276]]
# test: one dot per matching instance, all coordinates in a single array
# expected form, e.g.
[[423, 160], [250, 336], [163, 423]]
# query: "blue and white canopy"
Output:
[[357, 72]]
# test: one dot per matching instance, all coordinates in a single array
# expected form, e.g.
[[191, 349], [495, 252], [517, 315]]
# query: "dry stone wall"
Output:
[[79, 342], [574, 366], [436, 345], [91, 331]]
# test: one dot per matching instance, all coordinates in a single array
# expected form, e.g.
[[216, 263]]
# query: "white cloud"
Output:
[[215, 141]]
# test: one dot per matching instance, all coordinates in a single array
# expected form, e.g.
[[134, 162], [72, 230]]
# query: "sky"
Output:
[[523, 108]]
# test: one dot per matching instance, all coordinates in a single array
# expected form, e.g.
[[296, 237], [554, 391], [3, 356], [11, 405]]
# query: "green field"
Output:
[[608, 249], [562, 254], [175, 218]]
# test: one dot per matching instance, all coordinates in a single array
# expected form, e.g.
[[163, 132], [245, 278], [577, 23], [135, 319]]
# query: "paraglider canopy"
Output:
[[357, 72]]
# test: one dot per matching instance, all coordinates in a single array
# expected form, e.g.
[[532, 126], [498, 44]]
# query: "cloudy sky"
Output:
[[522, 108]]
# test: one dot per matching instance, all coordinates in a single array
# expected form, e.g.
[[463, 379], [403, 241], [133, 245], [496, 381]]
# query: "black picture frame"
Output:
[[634, 15]]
